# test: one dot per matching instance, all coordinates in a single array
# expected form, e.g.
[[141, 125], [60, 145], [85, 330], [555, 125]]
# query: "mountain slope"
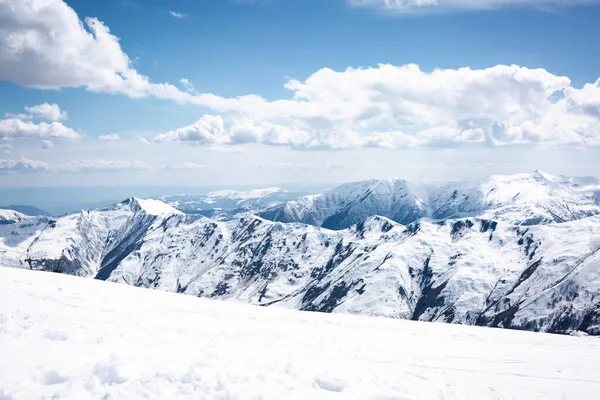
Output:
[[27, 210], [78, 242], [11, 216], [470, 271], [522, 199], [67, 337]]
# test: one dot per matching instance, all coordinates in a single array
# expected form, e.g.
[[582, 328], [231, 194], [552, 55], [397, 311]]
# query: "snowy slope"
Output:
[[81, 241], [63, 337], [10, 216], [522, 199], [470, 271]]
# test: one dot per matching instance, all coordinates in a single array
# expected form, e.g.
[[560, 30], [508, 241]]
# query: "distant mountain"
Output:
[[348, 204], [538, 270], [10, 217], [27, 210], [225, 204], [522, 199]]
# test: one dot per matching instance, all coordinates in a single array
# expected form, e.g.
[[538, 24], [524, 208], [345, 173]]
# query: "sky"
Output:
[[252, 93]]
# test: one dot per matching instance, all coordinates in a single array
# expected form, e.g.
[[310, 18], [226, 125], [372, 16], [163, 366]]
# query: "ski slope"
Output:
[[64, 337]]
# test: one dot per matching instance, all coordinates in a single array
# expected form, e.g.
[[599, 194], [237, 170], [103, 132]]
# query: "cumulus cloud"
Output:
[[47, 144], [186, 166], [422, 6], [13, 128], [404, 106], [111, 137], [47, 112], [43, 43], [22, 125], [207, 130], [176, 14]]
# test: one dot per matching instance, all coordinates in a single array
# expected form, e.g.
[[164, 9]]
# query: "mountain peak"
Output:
[[151, 206]]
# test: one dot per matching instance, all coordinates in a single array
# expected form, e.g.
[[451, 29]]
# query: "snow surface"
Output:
[[63, 337], [10, 216]]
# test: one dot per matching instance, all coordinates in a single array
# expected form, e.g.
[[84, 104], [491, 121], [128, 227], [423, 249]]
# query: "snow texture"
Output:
[[522, 199], [467, 269], [63, 337]]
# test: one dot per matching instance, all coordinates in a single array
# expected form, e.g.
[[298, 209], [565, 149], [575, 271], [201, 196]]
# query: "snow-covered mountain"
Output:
[[470, 270], [348, 204], [63, 337], [25, 209], [10, 216], [224, 204], [522, 199]]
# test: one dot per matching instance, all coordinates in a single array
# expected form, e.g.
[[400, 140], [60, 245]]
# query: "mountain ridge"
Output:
[[470, 270]]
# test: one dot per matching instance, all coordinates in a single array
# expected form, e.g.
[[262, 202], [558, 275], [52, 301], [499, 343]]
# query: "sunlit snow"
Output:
[[63, 337]]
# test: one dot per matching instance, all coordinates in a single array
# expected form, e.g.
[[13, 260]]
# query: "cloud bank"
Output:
[[425, 6], [405, 107], [79, 166], [44, 44]]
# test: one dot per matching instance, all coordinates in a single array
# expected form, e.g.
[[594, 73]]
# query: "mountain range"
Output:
[[519, 251]]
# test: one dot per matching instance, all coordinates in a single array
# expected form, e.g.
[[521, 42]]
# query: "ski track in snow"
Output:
[[63, 337]]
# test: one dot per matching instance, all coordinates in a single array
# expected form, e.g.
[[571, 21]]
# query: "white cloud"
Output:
[[403, 107], [176, 14], [23, 165], [47, 144], [111, 137], [101, 165], [143, 140], [188, 86], [422, 6], [47, 112], [79, 166], [44, 44], [207, 130], [186, 165], [14, 128]]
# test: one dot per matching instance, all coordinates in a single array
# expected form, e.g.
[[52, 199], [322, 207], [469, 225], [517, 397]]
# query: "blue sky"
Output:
[[234, 48]]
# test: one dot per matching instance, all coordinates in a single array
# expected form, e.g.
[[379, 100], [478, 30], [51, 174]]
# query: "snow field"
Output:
[[63, 337]]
